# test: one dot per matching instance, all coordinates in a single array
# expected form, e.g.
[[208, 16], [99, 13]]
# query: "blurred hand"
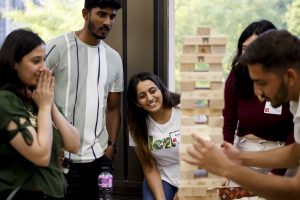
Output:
[[110, 152], [207, 155], [231, 152]]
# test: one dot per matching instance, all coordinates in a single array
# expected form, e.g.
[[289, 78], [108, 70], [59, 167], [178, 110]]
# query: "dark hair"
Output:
[[89, 4], [17, 44], [275, 50], [137, 116], [243, 85]]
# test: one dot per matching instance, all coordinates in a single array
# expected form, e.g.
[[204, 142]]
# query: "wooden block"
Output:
[[187, 104], [185, 67], [202, 76], [194, 120], [200, 129], [201, 67], [188, 121], [215, 121], [210, 195], [185, 166], [203, 94], [197, 174], [216, 104], [197, 103], [204, 40], [215, 137], [210, 58], [201, 111], [218, 49], [189, 49], [203, 49], [194, 174], [184, 146], [203, 31], [216, 85], [209, 183], [194, 191], [206, 58], [186, 174], [214, 67], [187, 86], [202, 85], [189, 58]]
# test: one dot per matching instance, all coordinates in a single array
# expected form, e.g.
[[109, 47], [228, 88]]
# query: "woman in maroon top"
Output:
[[249, 121]]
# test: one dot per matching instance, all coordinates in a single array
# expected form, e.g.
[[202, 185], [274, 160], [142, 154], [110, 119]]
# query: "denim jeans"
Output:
[[169, 191]]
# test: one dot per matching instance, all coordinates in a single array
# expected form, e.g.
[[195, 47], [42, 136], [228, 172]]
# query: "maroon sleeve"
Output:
[[230, 109], [290, 139]]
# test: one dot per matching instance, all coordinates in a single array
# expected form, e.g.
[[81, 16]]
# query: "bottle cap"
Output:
[[105, 168]]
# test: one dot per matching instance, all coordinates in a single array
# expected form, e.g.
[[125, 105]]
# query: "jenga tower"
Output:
[[202, 102]]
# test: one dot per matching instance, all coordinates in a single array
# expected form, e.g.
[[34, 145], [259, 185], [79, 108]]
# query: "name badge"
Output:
[[269, 109]]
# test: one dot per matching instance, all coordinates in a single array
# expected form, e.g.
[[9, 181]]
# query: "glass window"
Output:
[[18, 4], [2, 31]]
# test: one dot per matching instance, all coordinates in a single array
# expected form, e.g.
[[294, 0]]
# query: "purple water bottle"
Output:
[[105, 183]]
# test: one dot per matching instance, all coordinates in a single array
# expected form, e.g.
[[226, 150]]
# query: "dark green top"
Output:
[[14, 168]]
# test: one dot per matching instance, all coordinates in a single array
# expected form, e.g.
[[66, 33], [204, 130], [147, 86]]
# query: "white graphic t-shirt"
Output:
[[163, 143]]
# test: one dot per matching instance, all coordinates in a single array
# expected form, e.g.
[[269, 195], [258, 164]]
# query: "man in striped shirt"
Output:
[[89, 82]]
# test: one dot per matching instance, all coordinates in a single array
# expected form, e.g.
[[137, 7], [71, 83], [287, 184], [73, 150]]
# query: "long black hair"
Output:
[[243, 84], [17, 44], [137, 116]]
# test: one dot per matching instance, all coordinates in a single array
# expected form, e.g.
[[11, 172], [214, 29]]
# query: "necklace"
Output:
[[32, 116]]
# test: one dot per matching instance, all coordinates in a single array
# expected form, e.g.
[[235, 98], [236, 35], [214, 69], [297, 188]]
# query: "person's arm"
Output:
[[152, 177], [68, 132], [39, 151], [274, 158], [282, 157], [113, 120], [230, 110], [207, 155]]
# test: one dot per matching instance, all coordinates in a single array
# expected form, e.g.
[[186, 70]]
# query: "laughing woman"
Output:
[[33, 131], [154, 125]]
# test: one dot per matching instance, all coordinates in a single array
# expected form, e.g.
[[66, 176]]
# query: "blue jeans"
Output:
[[169, 191]]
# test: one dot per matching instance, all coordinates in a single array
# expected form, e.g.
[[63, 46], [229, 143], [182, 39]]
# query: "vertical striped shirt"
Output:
[[84, 75]]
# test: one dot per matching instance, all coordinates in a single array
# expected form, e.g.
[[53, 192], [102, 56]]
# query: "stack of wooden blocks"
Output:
[[202, 102]]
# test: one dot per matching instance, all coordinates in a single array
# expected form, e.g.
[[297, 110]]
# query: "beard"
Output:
[[281, 95], [99, 33]]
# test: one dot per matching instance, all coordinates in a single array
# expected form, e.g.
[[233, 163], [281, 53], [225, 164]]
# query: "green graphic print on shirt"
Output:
[[164, 143]]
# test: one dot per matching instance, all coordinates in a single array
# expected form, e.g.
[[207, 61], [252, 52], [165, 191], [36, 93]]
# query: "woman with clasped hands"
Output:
[[32, 128]]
